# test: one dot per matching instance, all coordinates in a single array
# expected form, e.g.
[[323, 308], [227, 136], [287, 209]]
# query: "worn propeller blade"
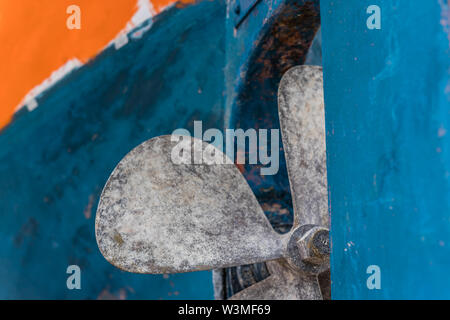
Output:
[[301, 111], [282, 284], [156, 216]]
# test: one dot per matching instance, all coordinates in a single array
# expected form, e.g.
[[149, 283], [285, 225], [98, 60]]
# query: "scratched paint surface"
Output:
[[36, 42], [55, 160], [387, 99]]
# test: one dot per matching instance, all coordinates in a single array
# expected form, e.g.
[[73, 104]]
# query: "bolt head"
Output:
[[314, 246], [308, 249]]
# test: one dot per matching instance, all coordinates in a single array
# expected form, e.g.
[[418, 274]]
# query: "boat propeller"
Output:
[[156, 216]]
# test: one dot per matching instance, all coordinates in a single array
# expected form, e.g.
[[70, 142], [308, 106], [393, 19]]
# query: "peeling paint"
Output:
[[40, 55]]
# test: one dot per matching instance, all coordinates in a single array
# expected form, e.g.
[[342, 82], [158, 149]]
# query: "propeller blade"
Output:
[[156, 216], [282, 284], [301, 111]]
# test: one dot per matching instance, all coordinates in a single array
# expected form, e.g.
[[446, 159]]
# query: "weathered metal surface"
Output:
[[253, 77], [308, 249], [302, 120], [387, 101], [238, 278], [159, 217], [283, 284]]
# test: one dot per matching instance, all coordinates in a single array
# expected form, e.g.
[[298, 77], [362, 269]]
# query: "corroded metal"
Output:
[[301, 109], [156, 216], [306, 251], [283, 284], [159, 217]]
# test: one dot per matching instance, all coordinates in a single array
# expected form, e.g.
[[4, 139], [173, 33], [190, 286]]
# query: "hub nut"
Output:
[[309, 250]]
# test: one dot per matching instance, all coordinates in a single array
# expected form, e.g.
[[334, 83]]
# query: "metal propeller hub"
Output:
[[308, 249]]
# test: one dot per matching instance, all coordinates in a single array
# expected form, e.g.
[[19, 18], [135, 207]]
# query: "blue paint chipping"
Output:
[[55, 160], [387, 103], [387, 97]]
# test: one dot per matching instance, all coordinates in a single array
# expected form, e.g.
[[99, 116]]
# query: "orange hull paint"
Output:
[[35, 40]]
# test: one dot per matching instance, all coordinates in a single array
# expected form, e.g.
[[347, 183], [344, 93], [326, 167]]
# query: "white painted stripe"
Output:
[[144, 12]]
